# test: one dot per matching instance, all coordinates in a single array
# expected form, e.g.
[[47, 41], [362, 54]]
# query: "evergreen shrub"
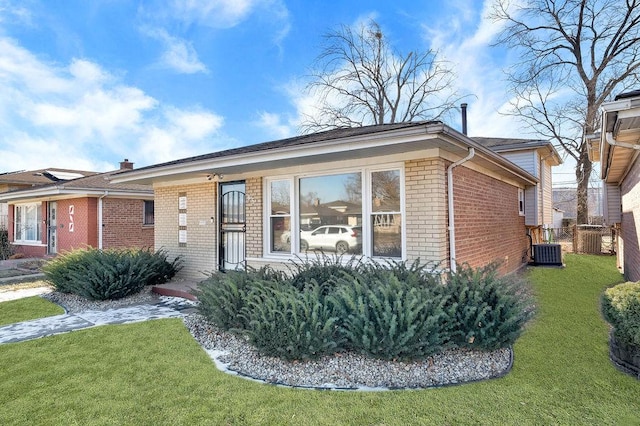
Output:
[[385, 317], [290, 324], [392, 311], [621, 308], [223, 295], [322, 270], [108, 274], [486, 311]]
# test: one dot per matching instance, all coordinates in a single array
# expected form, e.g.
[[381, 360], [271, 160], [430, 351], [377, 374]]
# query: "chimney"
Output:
[[126, 165], [463, 107]]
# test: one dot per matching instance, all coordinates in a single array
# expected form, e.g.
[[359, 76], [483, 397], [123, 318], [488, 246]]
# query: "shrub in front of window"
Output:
[[393, 311], [385, 317], [621, 309], [322, 270], [108, 274], [289, 324], [486, 311]]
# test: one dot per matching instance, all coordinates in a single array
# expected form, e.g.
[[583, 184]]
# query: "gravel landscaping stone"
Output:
[[342, 371]]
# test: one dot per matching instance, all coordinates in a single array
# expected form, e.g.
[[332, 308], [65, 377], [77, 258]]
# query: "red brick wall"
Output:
[[123, 224], [487, 224], [630, 232], [84, 216]]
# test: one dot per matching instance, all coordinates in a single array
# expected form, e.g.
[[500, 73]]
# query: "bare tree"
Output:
[[574, 55], [360, 80]]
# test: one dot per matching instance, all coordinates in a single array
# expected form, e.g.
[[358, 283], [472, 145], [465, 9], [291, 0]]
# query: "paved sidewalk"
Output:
[[168, 307]]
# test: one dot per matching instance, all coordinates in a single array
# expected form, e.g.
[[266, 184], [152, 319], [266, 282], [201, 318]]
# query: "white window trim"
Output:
[[39, 225], [367, 209], [521, 201]]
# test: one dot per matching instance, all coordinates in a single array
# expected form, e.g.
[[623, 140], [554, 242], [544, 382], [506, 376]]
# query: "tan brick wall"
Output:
[[426, 210], [487, 224], [123, 226], [630, 225], [254, 217], [200, 252]]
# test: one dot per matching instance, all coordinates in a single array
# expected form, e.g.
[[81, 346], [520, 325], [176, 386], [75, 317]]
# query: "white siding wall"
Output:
[[546, 195], [530, 201], [527, 160], [612, 203]]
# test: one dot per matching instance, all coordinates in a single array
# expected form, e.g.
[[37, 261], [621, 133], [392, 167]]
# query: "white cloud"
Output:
[[179, 55], [81, 115], [213, 13], [272, 124]]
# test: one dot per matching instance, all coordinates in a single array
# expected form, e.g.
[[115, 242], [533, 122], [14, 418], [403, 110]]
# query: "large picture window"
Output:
[[27, 223], [329, 213]]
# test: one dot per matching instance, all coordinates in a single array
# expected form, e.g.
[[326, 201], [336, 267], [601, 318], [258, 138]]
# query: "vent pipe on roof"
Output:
[[463, 108]]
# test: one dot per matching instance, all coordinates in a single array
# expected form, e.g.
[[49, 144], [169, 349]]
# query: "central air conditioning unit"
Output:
[[546, 254]]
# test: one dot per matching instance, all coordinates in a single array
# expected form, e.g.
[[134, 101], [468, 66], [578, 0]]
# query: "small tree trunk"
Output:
[[583, 174]]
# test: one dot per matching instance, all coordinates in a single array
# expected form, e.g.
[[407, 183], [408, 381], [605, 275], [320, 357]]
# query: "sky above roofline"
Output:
[[89, 83]]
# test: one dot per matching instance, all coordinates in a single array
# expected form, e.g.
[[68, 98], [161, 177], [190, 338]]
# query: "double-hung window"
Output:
[[27, 220], [148, 212], [354, 212]]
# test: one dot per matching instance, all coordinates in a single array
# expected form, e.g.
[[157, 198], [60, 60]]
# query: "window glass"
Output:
[[386, 217], [280, 215], [148, 212], [331, 200], [27, 222]]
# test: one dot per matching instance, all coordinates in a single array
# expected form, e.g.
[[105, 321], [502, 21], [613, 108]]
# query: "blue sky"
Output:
[[86, 84]]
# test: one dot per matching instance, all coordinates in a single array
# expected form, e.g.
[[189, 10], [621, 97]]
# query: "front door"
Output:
[[232, 226], [52, 228]]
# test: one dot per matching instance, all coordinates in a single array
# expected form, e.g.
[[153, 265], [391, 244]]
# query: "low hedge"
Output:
[[393, 311], [109, 274], [621, 308]]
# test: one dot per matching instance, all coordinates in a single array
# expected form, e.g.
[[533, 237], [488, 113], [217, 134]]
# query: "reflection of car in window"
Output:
[[338, 238]]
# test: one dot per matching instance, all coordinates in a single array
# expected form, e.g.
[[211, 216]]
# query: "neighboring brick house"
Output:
[[77, 213], [11, 181], [386, 186], [616, 148]]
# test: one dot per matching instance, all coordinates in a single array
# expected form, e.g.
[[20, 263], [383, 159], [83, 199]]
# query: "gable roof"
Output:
[[96, 185], [503, 145], [381, 140]]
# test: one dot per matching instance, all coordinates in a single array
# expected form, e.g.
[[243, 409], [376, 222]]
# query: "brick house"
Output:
[[616, 147], [405, 191], [11, 181], [82, 212]]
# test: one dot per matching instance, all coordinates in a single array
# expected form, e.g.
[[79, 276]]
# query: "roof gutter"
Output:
[[452, 227], [611, 140]]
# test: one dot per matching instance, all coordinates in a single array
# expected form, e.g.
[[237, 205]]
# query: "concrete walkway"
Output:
[[168, 307]]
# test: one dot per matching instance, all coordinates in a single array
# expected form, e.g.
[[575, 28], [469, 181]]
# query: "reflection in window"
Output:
[[386, 216], [331, 200], [280, 216], [27, 222]]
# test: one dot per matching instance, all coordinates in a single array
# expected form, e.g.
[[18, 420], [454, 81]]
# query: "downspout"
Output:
[[100, 219], [611, 141], [452, 228]]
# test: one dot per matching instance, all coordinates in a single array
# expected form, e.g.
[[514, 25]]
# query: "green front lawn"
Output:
[[155, 373], [27, 309]]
